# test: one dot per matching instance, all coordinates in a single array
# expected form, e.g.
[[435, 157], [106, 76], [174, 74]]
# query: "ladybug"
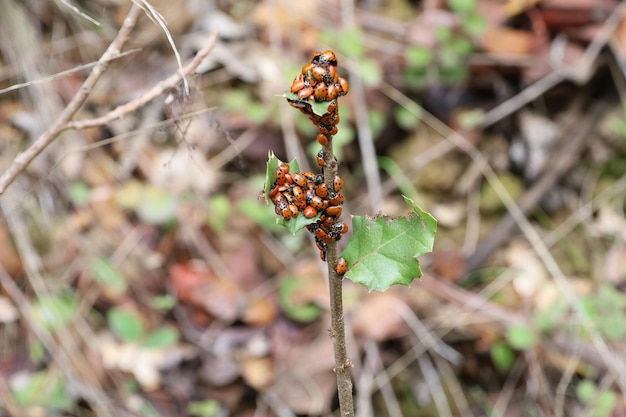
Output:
[[293, 210], [343, 83], [327, 222], [299, 179], [318, 203], [306, 68], [305, 93], [323, 255], [309, 194], [297, 192], [286, 213], [324, 58], [334, 211], [342, 266], [320, 245], [332, 75], [333, 91], [282, 205], [332, 107], [298, 84], [322, 139], [281, 171], [320, 91], [320, 158], [335, 198], [319, 179], [317, 73], [337, 183], [339, 228], [310, 212], [322, 190]]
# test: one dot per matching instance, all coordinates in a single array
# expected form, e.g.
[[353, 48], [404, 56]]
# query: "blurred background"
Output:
[[142, 273]]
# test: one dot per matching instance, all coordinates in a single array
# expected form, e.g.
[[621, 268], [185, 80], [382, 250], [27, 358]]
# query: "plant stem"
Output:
[[343, 365]]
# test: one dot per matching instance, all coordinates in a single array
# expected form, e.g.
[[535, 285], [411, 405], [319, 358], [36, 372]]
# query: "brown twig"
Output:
[[343, 366], [64, 121]]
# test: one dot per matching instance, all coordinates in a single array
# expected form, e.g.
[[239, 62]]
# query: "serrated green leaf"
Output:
[[108, 275], [270, 173], [382, 251], [125, 324]]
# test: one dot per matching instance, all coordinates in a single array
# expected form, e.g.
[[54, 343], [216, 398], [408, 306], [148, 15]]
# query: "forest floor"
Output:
[[143, 274]]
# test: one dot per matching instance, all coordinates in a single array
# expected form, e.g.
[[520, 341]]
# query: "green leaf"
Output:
[[220, 210], [163, 302], [289, 291], [160, 338], [474, 24], [351, 42], [586, 390], [462, 6], [79, 193], [521, 337], [406, 118], [44, 389], [382, 250], [370, 72], [502, 356], [418, 57], [270, 174], [605, 404], [108, 275], [54, 311], [125, 324], [206, 408]]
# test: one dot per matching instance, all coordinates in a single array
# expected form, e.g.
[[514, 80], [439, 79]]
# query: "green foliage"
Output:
[[127, 325], [607, 310], [54, 311], [462, 6], [382, 251], [350, 42], [79, 193], [237, 100], [163, 302], [288, 295], [161, 338], [601, 402], [370, 72], [502, 356], [220, 210], [447, 62], [521, 337], [44, 389], [107, 275], [407, 119], [206, 408]]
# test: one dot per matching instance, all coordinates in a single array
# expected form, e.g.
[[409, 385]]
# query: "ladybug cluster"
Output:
[[317, 82], [306, 193]]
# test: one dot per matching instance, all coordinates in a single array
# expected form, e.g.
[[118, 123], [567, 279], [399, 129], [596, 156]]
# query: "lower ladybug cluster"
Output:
[[319, 81], [306, 193]]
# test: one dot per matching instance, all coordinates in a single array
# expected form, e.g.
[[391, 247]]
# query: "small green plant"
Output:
[[382, 251], [447, 63]]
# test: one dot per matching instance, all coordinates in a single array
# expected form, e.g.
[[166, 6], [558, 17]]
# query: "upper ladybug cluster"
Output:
[[317, 82], [306, 193]]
